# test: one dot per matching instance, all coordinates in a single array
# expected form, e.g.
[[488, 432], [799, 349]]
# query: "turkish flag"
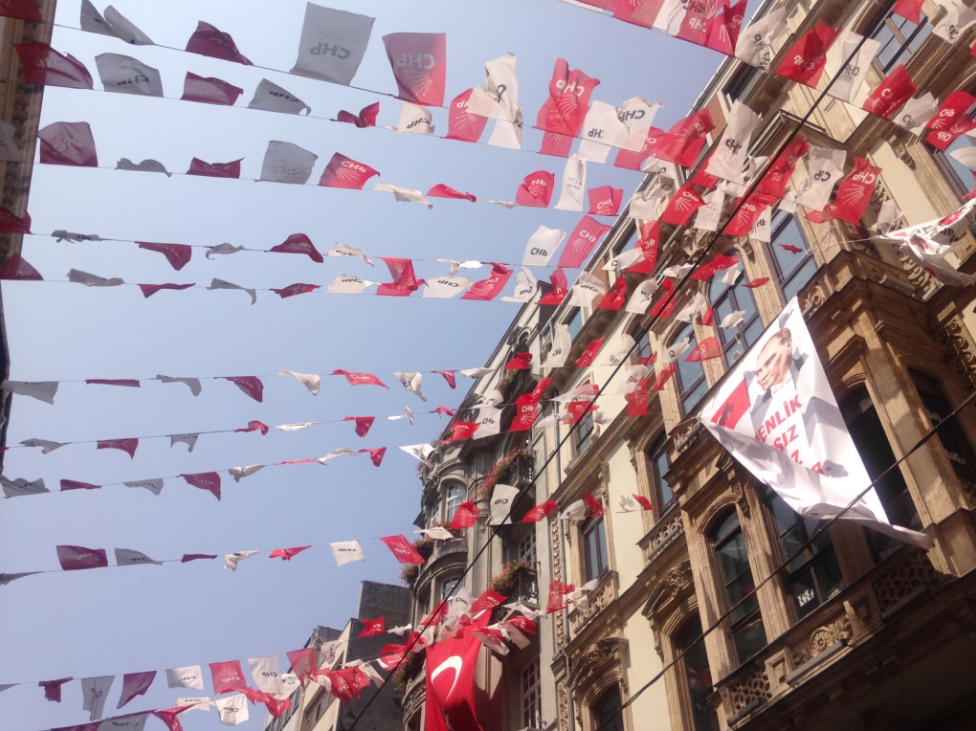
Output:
[[68, 143], [373, 627], [569, 99], [450, 701], [589, 355], [344, 172], [286, 554], [21, 9], [128, 446], [251, 385], [298, 244], [540, 511], [854, 192], [209, 481], [359, 379], [719, 263], [209, 90], [43, 65], [208, 41], [705, 350], [615, 298], [215, 169], [419, 63], [488, 289], [404, 552], [896, 89], [17, 268], [178, 255], [363, 423], [581, 242], [465, 516], [461, 430], [774, 181], [376, 455], [536, 189], [682, 205], [461, 124], [805, 61], [227, 676], [74, 558], [365, 118], [605, 201], [911, 9], [638, 400], [663, 376], [445, 191], [684, 141]]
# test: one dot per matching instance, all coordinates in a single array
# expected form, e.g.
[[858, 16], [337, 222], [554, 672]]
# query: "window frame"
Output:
[[779, 224], [682, 646], [722, 534], [600, 707], [688, 396], [738, 338], [656, 452], [594, 529], [451, 492], [530, 696]]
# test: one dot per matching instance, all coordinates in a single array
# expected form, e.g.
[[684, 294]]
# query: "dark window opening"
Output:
[[747, 629], [698, 675]]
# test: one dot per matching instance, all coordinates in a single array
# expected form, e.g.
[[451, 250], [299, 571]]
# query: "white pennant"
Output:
[[239, 473], [285, 162], [190, 440], [311, 381], [196, 703], [21, 487], [646, 203], [412, 381], [154, 486], [224, 249], [113, 24], [498, 98], [526, 286], [232, 559], [419, 451], [272, 98], [849, 76], [127, 75], [192, 383], [587, 288], [502, 499], [135, 722], [755, 44], [345, 551], [445, 287], [732, 319], [507, 134], [709, 215], [824, 169], [624, 260], [266, 672], [339, 452], [92, 280], [146, 166], [94, 691], [346, 250], [490, 421], [562, 343], [45, 445], [955, 22], [221, 284], [637, 115], [573, 187], [233, 709], [476, 372], [729, 159], [403, 195], [436, 533], [129, 557], [296, 427], [415, 119], [542, 245], [186, 677], [640, 300], [575, 511], [348, 284], [917, 112], [41, 390], [333, 44], [616, 354]]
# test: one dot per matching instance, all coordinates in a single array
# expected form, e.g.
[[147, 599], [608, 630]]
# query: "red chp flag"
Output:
[[774, 181], [366, 117], [557, 593], [569, 100], [536, 189], [722, 29], [363, 424], [951, 120], [13, 224], [375, 455], [344, 172], [684, 141], [465, 516], [589, 354], [21, 9], [178, 255], [373, 627], [527, 407], [450, 686], [638, 400], [805, 61], [43, 65], [540, 511], [556, 144], [605, 200], [719, 263], [74, 558], [251, 385], [896, 89], [68, 143], [461, 124], [854, 192], [694, 23], [596, 507], [404, 552], [911, 9], [286, 554], [705, 350], [215, 169], [461, 430], [488, 289], [404, 280], [581, 242], [638, 12], [128, 446], [633, 159], [650, 237], [749, 212], [419, 63], [209, 481], [227, 676], [16, 267], [209, 90], [445, 191], [560, 287], [208, 41], [299, 244], [615, 298], [359, 379], [682, 205]]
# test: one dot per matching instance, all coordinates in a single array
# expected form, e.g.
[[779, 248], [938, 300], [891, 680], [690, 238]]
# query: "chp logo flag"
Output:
[[569, 100], [450, 701], [344, 172], [333, 44], [776, 414], [419, 62]]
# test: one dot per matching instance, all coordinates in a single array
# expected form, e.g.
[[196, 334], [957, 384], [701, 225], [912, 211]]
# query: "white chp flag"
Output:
[[345, 551], [617, 352], [586, 289], [224, 284], [849, 77], [709, 215], [232, 710], [311, 381], [46, 445], [41, 390], [729, 160], [498, 98], [489, 420], [965, 156], [126, 75], [574, 185], [333, 44], [285, 162], [542, 245], [92, 280], [266, 672], [445, 288], [825, 167], [562, 343], [187, 677], [135, 722], [412, 381], [637, 114], [232, 559], [602, 130], [95, 691], [130, 557], [348, 284], [239, 473], [508, 134], [196, 703], [916, 112], [459, 603], [640, 300], [575, 511], [776, 414], [631, 379], [190, 440], [339, 452], [956, 21], [500, 506], [191, 383], [113, 24], [21, 487], [416, 120], [646, 204], [436, 533], [155, 486], [403, 195], [9, 151], [755, 44], [526, 286], [341, 249], [270, 97]]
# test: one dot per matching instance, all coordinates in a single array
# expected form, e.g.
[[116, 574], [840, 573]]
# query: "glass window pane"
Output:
[[749, 639]]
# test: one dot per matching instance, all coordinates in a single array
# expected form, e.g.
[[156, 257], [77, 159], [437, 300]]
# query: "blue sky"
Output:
[[119, 620]]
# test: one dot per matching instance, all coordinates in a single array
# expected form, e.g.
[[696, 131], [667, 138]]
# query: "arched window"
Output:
[[452, 499], [735, 574], [697, 674], [607, 714]]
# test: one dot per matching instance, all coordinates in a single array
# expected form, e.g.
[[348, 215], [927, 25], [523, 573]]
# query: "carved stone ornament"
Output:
[[821, 638], [557, 574], [739, 493], [744, 246], [958, 350], [601, 661], [563, 692], [680, 578]]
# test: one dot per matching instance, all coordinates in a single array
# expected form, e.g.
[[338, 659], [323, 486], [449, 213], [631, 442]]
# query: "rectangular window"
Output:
[[526, 549], [531, 693], [595, 563], [737, 298], [748, 631], [454, 497], [583, 433], [899, 38], [793, 268], [658, 466], [691, 376]]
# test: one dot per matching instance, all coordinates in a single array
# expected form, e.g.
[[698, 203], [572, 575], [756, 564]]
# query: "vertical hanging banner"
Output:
[[419, 63], [776, 414], [333, 44]]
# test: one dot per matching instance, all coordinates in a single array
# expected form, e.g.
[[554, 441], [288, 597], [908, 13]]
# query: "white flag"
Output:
[[188, 677], [732, 319], [616, 353], [232, 559], [45, 445], [849, 79], [640, 300], [41, 390], [646, 203], [333, 44], [339, 452], [9, 151], [113, 24], [604, 124], [507, 134], [541, 246], [562, 343], [92, 280], [419, 451], [502, 499], [196, 703], [272, 98], [955, 22], [778, 393], [445, 288], [285, 162], [347, 250], [412, 381], [573, 188], [637, 115], [348, 284], [673, 352], [154, 486], [222, 284], [437, 533], [345, 551], [266, 672], [192, 383], [916, 112], [965, 156], [311, 381], [126, 75], [688, 312], [94, 691], [526, 286], [416, 120], [190, 440], [457, 266], [490, 421], [824, 166], [631, 378], [498, 98], [731, 276], [232, 710], [762, 226], [295, 427], [238, 473], [710, 215], [587, 288], [403, 195], [222, 249], [889, 213], [146, 166], [755, 44], [135, 722], [460, 602], [574, 511], [624, 260], [729, 159], [129, 557], [476, 372], [21, 487]]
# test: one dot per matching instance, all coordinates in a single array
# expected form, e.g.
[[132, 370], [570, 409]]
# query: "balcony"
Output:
[[665, 532], [414, 691]]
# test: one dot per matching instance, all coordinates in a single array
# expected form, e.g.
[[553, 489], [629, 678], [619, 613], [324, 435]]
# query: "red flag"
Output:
[[461, 430], [576, 410], [735, 407], [52, 688], [719, 263], [75, 558], [705, 350], [521, 361], [187, 557], [450, 701], [634, 160], [643, 501], [536, 190], [854, 192], [707, 317], [487, 289], [638, 400], [465, 516], [658, 309], [757, 282], [445, 191], [442, 411], [683, 203], [209, 90], [596, 507], [76, 485], [521, 623], [694, 23], [684, 141], [774, 181], [254, 425], [43, 65], [449, 377], [365, 118], [169, 716], [589, 355], [419, 63], [581, 242], [127, 382], [21, 9], [722, 29], [556, 144], [251, 385], [527, 407], [148, 290], [17, 268], [209, 481], [359, 379], [748, 213], [68, 143], [227, 676], [896, 89], [128, 446], [376, 455], [344, 172], [558, 590], [462, 125], [911, 9], [638, 12], [605, 200], [650, 237], [569, 100], [135, 684], [951, 120], [404, 281], [404, 552], [390, 660], [663, 376], [208, 41], [363, 423], [540, 511], [373, 627], [805, 61], [215, 169], [616, 297], [560, 287], [489, 599], [286, 554], [178, 255], [12, 224], [298, 244]]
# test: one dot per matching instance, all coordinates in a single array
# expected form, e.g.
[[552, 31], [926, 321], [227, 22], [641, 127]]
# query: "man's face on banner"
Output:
[[773, 365]]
